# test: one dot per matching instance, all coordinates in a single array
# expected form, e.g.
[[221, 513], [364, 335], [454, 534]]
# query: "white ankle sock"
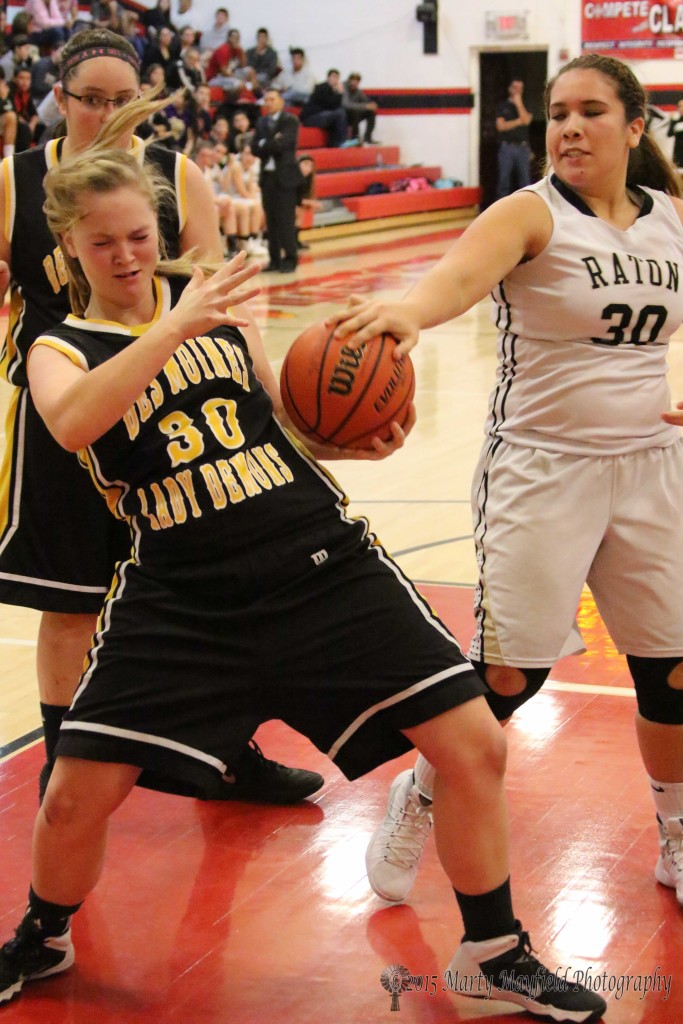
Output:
[[668, 798], [424, 774]]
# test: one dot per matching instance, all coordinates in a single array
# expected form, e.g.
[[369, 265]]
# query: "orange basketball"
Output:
[[344, 396]]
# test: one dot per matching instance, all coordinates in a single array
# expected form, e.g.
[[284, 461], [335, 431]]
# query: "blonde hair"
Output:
[[101, 168]]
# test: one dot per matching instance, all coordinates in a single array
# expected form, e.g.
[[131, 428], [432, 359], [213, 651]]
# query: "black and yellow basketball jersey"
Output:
[[39, 295], [199, 458]]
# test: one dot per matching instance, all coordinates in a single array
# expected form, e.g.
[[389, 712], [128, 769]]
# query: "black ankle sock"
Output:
[[487, 915], [52, 715], [52, 918]]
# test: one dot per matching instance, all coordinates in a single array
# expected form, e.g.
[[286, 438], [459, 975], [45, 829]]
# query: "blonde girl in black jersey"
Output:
[[61, 563]]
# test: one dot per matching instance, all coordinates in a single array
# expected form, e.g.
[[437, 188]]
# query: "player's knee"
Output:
[[509, 687], [505, 680], [63, 808], [659, 688], [480, 763]]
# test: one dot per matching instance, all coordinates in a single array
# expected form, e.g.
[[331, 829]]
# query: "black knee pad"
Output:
[[657, 701], [503, 707]]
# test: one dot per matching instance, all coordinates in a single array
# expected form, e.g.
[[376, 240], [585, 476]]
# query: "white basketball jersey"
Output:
[[584, 331]]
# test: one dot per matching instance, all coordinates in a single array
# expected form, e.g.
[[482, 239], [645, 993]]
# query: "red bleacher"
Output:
[[355, 182], [394, 203], [346, 173], [312, 138], [345, 159]]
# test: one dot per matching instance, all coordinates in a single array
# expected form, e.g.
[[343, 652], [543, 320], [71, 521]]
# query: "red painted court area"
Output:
[[246, 914]]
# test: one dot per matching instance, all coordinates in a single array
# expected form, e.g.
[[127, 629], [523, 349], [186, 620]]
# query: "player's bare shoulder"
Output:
[[527, 208]]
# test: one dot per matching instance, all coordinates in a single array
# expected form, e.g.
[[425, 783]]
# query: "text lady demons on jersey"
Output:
[[201, 440]]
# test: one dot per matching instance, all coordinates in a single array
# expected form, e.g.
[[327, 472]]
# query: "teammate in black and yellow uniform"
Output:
[[242, 551], [58, 546]]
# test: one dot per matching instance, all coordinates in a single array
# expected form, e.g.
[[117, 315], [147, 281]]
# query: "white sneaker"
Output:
[[256, 248], [393, 853], [505, 968], [669, 868]]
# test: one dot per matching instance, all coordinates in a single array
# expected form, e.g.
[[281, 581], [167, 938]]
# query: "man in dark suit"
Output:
[[275, 142]]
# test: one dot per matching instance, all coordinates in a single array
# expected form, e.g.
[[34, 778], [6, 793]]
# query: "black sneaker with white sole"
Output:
[[31, 955], [252, 776], [504, 968]]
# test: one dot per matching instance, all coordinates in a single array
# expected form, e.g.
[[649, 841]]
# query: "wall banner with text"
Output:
[[633, 29]]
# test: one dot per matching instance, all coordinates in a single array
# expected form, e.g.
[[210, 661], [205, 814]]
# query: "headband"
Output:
[[99, 51]]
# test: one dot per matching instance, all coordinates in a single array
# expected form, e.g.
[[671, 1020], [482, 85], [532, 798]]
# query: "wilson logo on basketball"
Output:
[[344, 373], [345, 396]]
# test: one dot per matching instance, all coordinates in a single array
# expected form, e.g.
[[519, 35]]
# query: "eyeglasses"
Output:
[[96, 103]]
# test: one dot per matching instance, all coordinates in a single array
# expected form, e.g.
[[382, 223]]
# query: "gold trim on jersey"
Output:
[[7, 473], [162, 299], [10, 197], [113, 492], [181, 190], [59, 345], [52, 153], [137, 148]]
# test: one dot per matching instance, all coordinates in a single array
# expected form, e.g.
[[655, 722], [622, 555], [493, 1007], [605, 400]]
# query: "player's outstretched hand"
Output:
[[366, 318], [674, 416], [380, 449], [206, 302]]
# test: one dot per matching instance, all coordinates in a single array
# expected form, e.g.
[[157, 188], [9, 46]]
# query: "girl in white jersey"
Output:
[[581, 474]]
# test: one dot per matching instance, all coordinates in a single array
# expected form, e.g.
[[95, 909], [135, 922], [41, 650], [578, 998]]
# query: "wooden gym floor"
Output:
[[248, 914]]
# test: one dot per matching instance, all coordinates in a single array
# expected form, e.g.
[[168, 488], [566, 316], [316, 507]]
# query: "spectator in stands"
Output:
[[275, 141], [129, 28], [21, 55], [305, 195], [204, 113], [188, 70], [222, 155], [22, 25], [165, 51], [168, 131], [228, 66], [297, 84], [241, 132], [514, 153], [206, 160], [676, 129], [27, 115], [49, 117], [359, 108], [188, 37], [52, 20], [241, 182], [45, 72], [263, 59], [156, 18], [324, 109], [155, 76], [8, 119], [220, 132], [182, 111], [216, 36], [105, 14]]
